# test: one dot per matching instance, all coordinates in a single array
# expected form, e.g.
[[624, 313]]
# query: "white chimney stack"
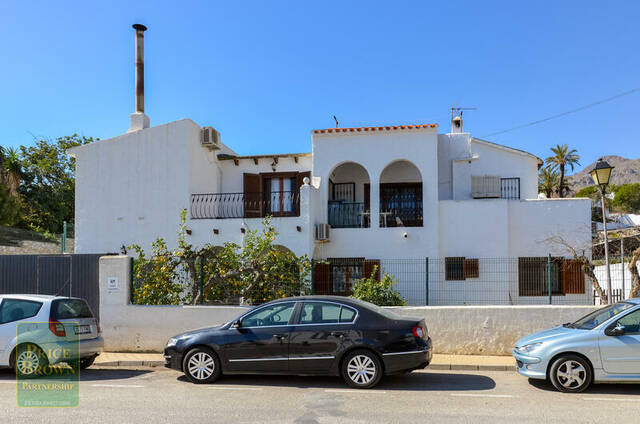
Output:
[[139, 120]]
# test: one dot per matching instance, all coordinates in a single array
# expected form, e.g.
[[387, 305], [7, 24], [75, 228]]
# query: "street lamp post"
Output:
[[601, 175]]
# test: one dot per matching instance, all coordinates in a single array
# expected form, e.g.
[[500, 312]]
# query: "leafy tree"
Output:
[[627, 198], [377, 292], [258, 271], [562, 157], [48, 183], [548, 181]]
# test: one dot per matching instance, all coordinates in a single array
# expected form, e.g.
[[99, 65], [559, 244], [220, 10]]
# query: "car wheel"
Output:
[[29, 361], [570, 374], [86, 362], [201, 366], [361, 369]]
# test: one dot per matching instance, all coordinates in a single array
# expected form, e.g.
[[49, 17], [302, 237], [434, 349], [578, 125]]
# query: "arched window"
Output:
[[401, 195], [348, 196]]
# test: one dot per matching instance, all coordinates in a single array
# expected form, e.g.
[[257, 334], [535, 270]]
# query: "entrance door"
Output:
[[621, 354], [261, 342]]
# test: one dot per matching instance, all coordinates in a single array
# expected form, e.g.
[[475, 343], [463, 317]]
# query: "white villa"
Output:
[[387, 193], [362, 196]]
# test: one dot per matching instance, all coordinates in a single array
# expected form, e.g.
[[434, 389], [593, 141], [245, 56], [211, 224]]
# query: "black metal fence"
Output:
[[63, 275], [244, 205], [464, 281]]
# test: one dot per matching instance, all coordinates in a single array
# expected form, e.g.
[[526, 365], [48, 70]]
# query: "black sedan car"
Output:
[[309, 335]]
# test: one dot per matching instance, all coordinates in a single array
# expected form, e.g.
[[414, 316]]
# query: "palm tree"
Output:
[[548, 180], [10, 169], [562, 157]]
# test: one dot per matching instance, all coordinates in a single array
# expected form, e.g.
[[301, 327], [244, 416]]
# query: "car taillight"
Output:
[[418, 332], [57, 328]]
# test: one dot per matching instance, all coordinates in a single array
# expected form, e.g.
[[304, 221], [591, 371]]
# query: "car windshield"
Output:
[[596, 318]]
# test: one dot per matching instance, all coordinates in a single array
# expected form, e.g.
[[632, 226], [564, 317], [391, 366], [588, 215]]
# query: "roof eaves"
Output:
[[513, 149]]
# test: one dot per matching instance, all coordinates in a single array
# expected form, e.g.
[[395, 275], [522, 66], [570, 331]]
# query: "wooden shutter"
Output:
[[572, 277], [252, 196], [367, 268], [321, 278], [471, 268]]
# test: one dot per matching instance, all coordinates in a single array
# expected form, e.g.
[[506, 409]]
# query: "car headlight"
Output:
[[172, 342], [529, 347]]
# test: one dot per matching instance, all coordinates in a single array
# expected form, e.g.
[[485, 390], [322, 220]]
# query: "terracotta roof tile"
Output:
[[385, 128]]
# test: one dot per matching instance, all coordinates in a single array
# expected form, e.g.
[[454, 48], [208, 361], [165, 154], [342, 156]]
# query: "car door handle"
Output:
[[280, 336], [337, 334]]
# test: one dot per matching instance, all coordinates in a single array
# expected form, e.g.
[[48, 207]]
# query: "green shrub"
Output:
[[380, 293]]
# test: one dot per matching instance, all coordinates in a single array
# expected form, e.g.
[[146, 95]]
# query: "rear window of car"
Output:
[[17, 309], [70, 309]]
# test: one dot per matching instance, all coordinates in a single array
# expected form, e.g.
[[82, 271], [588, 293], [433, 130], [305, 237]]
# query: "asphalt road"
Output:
[[156, 395]]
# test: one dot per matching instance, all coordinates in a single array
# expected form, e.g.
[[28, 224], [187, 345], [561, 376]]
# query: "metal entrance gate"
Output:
[[62, 275]]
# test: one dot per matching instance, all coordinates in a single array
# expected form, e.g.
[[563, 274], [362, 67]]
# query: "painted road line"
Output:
[[118, 386], [612, 399], [354, 391], [480, 395], [234, 388], [8, 382]]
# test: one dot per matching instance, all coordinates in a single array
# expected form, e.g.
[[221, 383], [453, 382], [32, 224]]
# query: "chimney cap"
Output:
[[139, 27]]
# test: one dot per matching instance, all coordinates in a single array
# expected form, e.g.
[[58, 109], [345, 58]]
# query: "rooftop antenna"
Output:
[[456, 117], [335, 119]]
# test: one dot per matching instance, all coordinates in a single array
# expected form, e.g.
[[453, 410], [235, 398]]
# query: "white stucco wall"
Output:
[[375, 151], [131, 188]]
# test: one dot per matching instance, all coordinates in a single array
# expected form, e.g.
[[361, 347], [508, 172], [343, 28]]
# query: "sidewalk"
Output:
[[440, 362]]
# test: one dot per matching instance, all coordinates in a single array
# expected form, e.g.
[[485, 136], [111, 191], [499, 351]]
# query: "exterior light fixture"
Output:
[[273, 166], [601, 175]]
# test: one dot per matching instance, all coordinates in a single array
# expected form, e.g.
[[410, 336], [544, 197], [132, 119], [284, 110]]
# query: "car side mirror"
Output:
[[236, 324], [618, 330]]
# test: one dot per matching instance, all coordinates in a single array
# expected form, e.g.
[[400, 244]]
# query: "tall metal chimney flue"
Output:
[[138, 119]]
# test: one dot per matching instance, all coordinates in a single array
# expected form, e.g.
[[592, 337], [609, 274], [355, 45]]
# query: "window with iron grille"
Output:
[[567, 276]]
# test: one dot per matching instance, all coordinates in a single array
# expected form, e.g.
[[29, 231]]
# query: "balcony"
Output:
[[245, 205]]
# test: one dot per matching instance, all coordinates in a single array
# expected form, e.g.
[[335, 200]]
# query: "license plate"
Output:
[[82, 329]]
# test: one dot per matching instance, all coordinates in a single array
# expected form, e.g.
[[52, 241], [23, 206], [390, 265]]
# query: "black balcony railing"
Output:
[[244, 205], [348, 215], [510, 188]]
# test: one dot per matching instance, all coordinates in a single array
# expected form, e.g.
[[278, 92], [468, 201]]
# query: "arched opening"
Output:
[[401, 195], [348, 197]]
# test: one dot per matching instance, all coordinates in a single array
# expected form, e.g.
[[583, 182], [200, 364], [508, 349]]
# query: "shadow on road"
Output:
[[595, 389], [418, 381], [89, 374]]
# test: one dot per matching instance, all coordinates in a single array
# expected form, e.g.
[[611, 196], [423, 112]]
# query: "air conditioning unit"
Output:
[[322, 232], [210, 138], [485, 187]]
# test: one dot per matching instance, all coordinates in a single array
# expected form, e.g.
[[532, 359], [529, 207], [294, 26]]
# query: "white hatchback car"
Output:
[[48, 326]]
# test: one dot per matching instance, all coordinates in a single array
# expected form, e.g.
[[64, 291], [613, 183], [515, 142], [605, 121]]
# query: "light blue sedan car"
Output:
[[603, 346]]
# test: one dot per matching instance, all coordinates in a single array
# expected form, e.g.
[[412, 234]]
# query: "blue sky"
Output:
[[266, 73]]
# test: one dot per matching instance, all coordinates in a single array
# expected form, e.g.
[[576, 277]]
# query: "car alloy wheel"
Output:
[[570, 373], [202, 366], [30, 360], [361, 369]]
